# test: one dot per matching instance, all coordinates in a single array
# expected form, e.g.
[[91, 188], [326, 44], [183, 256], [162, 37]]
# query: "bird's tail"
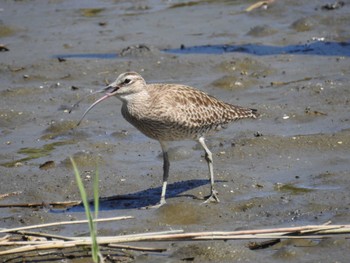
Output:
[[254, 112], [243, 113]]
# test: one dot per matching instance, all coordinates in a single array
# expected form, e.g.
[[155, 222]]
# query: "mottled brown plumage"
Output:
[[170, 112]]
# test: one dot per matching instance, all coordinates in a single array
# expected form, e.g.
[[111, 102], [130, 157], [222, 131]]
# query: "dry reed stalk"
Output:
[[258, 5], [63, 223], [145, 249], [43, 204], [2, 196], [318, 232]]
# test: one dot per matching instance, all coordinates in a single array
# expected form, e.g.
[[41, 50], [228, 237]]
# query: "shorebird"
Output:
[[171, 112]]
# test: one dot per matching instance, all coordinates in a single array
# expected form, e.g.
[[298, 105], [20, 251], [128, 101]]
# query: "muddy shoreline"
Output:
[[290, 167]]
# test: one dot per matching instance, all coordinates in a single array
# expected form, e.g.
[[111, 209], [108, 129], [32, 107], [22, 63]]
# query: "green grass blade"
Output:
[[82, 191], [96, 193], [92, 227], [96, 205]]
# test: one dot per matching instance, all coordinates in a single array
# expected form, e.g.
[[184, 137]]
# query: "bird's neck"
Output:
[[140, 97], [135, 102]]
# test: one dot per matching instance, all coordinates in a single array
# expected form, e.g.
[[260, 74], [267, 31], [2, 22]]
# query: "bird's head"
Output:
[[124, 87], [126, 84]]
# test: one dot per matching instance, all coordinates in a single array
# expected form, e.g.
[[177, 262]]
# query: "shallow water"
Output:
[[290, 167], [320, 48]]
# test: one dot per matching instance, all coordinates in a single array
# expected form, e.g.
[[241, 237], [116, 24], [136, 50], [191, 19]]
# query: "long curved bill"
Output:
[[83, 98], [94, 104]]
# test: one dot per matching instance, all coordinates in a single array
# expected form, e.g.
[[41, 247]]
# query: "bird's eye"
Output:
[[126, 81]]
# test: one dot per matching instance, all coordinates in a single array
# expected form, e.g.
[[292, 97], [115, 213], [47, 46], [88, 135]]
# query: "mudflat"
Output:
[[290, 167]]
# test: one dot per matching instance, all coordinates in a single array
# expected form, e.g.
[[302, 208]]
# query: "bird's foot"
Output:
[[161, 203], [212, 198]]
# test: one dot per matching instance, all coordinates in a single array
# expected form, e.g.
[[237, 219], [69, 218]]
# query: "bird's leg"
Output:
[[166, 166], [209, 158]]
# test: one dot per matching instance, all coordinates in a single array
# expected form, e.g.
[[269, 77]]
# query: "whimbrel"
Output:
[[171, 112]]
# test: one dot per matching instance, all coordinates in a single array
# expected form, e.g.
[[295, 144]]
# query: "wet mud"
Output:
[[289, 167]]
